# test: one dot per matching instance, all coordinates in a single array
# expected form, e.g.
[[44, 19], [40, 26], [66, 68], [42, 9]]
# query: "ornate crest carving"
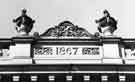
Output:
[[67, 29]]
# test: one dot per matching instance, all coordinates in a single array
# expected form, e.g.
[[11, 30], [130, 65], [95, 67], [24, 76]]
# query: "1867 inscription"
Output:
[[65, 50]]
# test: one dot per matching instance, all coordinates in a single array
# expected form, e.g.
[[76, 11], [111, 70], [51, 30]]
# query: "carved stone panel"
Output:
[[66, 29]]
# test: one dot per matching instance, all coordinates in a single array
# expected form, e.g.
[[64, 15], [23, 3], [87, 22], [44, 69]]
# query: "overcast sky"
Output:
[[49, 13]]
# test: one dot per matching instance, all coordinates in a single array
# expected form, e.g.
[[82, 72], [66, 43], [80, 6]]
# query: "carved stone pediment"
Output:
[[66, 29]]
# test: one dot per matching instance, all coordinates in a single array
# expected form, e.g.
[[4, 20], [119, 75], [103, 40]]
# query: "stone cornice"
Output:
[[66, 40]]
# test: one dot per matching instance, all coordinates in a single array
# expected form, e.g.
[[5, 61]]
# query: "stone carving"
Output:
[[4, 52], [67, 29], [107, 24], [24, 23], [130, 51]]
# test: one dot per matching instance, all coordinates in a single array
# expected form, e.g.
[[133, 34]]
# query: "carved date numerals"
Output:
[[66, 51]]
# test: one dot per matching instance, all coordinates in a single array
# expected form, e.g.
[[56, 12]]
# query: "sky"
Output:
[[49, 13]]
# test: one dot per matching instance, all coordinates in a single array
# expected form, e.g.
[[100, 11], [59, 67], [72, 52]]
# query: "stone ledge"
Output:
[[91, 61], [113, 61]]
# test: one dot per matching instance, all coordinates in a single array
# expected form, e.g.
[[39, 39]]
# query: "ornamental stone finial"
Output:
[[107, 24], [24, 23]]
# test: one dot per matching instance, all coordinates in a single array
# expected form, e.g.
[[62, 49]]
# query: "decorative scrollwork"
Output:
[[67, 29]]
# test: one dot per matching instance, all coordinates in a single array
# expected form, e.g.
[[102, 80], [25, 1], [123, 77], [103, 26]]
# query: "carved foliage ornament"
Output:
[[66, 29]]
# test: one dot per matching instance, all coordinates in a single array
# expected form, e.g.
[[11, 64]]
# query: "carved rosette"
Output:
[[66, 29]]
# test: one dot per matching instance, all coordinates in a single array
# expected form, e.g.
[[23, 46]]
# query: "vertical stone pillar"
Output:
[[111, 50], [21, 50]]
